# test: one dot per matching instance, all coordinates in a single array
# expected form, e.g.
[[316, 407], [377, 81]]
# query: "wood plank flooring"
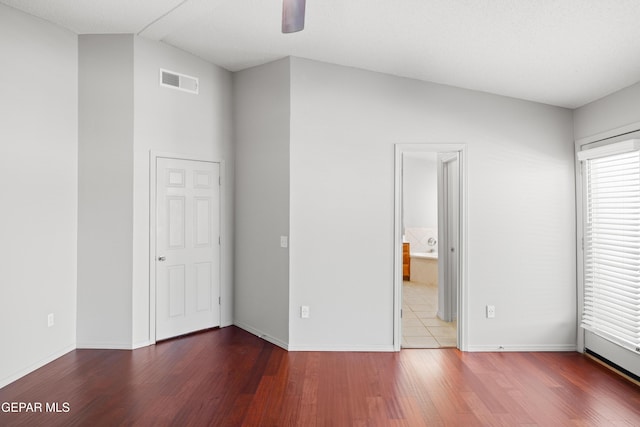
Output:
[[228, 377]]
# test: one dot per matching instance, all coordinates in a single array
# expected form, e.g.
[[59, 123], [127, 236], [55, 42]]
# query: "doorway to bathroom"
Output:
[[429, 246]]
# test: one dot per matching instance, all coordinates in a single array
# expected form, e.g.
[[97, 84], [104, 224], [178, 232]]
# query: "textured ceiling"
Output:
[[560, 52]]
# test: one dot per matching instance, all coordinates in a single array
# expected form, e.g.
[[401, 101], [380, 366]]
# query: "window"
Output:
[[612, 242]]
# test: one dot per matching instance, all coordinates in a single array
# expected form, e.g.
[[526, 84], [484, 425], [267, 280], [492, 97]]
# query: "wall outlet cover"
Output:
[[491, 311], [304, 311]]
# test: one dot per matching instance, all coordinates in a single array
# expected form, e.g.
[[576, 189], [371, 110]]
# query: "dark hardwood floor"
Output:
[[229, 377]]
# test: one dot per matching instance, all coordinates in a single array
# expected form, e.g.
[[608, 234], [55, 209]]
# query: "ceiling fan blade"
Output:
[[292, 15]]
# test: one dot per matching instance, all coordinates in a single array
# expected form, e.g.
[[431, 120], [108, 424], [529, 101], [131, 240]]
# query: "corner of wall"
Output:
[[262, 109], [105, 198]]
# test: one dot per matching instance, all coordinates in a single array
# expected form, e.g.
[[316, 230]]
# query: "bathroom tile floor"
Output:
[[421, 327]]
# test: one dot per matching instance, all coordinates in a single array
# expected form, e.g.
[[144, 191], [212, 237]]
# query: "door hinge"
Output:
[[401, 313], [219, 300], [219, 240], [219, 180]]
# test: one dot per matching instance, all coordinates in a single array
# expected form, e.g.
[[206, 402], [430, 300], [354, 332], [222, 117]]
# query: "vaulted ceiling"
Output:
[[559, 52]]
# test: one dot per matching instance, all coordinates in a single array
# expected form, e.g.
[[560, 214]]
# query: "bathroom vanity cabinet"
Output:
[[406, 262]]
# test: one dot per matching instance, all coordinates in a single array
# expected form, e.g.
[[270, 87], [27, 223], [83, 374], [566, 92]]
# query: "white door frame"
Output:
[[153, 156], [400, 149]]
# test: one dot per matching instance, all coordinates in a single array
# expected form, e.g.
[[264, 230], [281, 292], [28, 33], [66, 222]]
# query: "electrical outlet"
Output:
[[284, 241], [304, 311], [50, 320], [491, 311]]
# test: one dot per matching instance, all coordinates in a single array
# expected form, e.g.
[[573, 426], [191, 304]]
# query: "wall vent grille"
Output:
[[179, 81]]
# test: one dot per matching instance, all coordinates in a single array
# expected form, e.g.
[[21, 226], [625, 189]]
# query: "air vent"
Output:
[[178, 81]]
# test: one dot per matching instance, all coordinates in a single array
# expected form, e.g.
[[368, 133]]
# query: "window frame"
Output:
[[629, 148], [604, 348]]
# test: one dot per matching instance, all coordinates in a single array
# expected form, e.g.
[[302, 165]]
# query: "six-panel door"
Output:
[[187, 246]]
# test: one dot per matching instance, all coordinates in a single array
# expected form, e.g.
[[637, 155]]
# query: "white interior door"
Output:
[[453, 213], [449, 229], [187, 246]]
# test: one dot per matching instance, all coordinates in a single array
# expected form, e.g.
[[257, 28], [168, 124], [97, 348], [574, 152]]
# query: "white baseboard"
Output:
[[262, 334], [39, 364], [383, 348], [104, 346], [289, 347], [522, 348], [142, 344]]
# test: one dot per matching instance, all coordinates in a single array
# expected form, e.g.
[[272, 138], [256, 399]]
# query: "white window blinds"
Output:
[[612, 244]]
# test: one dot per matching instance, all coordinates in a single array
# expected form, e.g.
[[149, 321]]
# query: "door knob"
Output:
[[161, 258]]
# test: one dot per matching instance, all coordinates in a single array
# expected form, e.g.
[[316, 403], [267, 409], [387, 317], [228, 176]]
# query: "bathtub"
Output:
[[424, 268], [424, 255]]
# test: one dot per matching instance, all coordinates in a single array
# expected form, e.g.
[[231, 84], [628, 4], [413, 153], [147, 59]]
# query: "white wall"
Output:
[[38, 182], [124, 114], [420, 190], [611, 112], [261, 113], [105, 198], [521, 215], [172, 121]]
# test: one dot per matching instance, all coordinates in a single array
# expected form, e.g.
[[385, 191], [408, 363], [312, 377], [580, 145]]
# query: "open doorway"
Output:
[[429, 235]]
